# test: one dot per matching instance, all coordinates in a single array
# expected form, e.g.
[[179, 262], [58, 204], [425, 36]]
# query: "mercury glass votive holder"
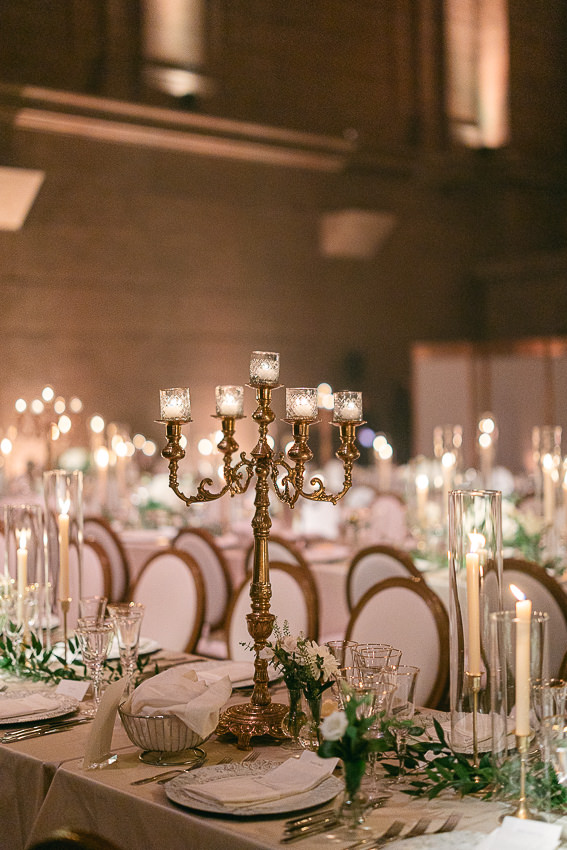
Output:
[[175, 404], [347, 406], [301, 403], [230, 401], [264, 368]]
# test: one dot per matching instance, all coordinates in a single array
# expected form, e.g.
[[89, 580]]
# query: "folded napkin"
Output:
[[461, 738], [237, 672], [22, 706], [294, 776], [178, 691], [519, 834]]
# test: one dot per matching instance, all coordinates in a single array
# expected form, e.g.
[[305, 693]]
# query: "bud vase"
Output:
[[294, 719], [310, 734]]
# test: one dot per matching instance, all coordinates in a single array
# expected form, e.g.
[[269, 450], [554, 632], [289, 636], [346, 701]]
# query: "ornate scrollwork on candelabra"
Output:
[[260, 716]]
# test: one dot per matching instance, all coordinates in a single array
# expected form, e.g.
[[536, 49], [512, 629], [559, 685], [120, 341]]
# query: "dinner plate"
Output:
[[61, 705], [444, 841], [179, 791], [241, 682], [145, 647]]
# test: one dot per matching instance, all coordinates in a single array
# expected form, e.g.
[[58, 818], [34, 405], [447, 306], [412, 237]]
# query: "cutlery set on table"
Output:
[[311, 825]]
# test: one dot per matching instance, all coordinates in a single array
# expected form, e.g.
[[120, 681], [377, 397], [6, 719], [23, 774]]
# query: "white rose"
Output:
[[334, 726], [266, 654], [289, 644]]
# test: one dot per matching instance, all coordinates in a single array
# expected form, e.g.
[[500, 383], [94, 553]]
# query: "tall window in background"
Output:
[[476, 35], [173, 46]]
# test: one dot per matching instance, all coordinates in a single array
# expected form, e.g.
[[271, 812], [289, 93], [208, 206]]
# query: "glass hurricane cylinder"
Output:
[[63, 492], [519, 657], [475, 592], [25, 564]]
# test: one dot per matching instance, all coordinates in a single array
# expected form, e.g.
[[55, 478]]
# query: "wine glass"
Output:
[[403, 708], [383, 693], [343, 651], [92, 606], [127, 619], [94, 638]]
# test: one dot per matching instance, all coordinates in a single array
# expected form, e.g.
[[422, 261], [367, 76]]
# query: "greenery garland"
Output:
[[31, 660]]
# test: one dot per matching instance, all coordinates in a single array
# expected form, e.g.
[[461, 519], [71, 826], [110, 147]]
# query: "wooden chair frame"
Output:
[[416, 585], [103, 523], [195, 571], [281, 541], [380, 549]]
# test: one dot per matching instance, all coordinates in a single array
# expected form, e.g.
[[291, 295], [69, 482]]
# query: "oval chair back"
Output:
[[99, 530], [374, 564], [171, 587], [201, 546]]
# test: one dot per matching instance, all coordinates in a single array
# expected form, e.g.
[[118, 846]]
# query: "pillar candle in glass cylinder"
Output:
[[230, 401], [523, 617], [347, 407], [301, 403], [264, 368], [175, 404]]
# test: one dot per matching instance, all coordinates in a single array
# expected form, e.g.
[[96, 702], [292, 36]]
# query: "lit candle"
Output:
[[422, 492], [301, 403], [175, 404], [523, 627], [63, 523], [22, 574], [347, 406], [473, 606], [264, 367], [230, 401], [548, 490]]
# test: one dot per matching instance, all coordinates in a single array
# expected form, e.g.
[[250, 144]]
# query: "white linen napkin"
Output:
[[294, 776], [520, 834], [22, 706], [178, 691], [237, 672]]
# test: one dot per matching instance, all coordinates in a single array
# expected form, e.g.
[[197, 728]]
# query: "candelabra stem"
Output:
[[474, 679], [65, 605], [523, 811]]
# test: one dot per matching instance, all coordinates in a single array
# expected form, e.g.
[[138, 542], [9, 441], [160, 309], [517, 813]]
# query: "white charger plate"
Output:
[[179, 791], [62, 705], [145, 647], [444, 841]]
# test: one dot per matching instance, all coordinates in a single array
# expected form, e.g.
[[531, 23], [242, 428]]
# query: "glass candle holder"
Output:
[[230, 401], [264, 368], [24, 555], [301, 403], [175, 404], [347, 407], [519, 656], [475, 592], [63, 492]]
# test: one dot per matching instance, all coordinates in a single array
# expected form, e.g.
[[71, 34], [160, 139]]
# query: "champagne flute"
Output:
[[127, 619], [94, 638]]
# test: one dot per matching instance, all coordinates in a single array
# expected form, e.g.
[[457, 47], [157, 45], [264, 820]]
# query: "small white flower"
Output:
[[334, 726], [266, 653], [289, 644]]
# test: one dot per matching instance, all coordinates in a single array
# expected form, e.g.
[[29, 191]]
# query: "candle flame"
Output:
[[65, 507], [477, 541], [519, 594], [23, 535]]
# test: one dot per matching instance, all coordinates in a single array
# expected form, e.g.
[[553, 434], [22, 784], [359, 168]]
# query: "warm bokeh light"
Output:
[[121, 449], [448, 460], [5, 446], [379, 441], [385, 452], [59, 405], [183, 441], [64, 424], [485, 440], [270, 441], [55, 432], [205, 447], [76, 405], [325, 396], [37, 406], [487, 425], [149, 448], [21, 405], [101, 457], [138, 440], [97, 424], [48, 393], [422, 481]]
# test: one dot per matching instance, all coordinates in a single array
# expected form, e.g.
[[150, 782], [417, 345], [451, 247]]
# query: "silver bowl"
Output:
[[164, 733]]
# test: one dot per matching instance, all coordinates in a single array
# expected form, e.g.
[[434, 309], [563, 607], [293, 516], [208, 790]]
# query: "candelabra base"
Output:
[[247, 720]]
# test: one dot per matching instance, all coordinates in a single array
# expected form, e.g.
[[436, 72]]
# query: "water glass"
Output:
[[555, 745], [343, 651], [94, 638], [127, 619], [403, 708], [549, 698], [93, 606]]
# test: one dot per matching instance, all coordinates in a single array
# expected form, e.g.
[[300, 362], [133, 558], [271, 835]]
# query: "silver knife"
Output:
[[311, 829], [26, 734]]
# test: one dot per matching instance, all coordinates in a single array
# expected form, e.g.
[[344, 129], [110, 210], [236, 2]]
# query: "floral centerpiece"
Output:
[[307, 669]]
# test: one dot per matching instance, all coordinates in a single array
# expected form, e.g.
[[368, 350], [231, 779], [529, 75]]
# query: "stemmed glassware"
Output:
[[93, 606], [383, 694], [94, 638], [404, 677], [127, 619]]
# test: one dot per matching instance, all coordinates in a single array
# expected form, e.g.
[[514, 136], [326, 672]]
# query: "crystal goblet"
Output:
[[127, 619], [403, 708], [94, 638]]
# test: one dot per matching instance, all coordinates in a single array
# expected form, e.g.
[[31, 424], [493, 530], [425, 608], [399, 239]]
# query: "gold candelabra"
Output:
[[260, 716]]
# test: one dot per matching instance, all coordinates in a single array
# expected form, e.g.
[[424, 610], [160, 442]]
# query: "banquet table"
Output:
[[45, 787]]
